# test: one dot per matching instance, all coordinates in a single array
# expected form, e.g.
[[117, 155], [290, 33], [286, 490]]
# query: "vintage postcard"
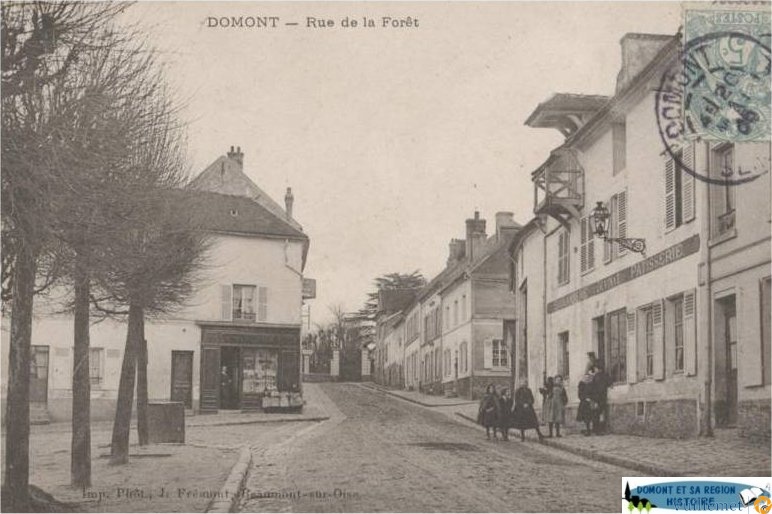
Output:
[[405, 256]]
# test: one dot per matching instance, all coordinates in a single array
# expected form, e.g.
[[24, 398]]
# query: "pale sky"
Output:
[[389, 137]]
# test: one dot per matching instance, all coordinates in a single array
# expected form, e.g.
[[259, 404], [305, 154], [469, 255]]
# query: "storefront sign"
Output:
[[663, 258], [309, 288]]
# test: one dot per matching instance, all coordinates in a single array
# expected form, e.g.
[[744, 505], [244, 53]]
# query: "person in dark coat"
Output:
[[523, 415], [601, 383], [490, 411], [505, 417], [588, 405]]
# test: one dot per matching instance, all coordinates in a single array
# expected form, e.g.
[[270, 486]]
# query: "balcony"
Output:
[[559, 186]]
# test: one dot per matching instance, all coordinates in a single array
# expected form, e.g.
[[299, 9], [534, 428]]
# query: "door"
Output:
[[731, 366], [182, 378], [289, 372], [210, 379], [38, 376]]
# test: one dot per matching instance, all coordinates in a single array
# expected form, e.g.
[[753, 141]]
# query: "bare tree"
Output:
[[41, 44]]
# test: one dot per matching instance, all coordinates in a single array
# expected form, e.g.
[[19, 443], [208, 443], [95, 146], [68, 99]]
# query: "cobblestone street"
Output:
[[378, 453]]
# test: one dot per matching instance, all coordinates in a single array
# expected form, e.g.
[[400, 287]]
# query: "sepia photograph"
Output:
[[386, 256]]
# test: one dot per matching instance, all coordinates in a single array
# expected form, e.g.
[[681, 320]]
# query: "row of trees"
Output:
[[92, 211]]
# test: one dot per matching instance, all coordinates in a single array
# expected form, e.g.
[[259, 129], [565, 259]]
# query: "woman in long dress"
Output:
[[490, 410], [523, 415], [505, 417]]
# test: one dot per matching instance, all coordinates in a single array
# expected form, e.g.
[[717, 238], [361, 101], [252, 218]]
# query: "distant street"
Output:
[[384, 454]]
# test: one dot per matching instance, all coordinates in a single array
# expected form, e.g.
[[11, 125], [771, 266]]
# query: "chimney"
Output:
[[505, 221], [456, 250], [237, 155], [475, 235], [289, 199], [638, 50]]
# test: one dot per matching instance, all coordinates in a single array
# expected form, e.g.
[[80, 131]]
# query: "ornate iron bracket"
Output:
[[634, 244]]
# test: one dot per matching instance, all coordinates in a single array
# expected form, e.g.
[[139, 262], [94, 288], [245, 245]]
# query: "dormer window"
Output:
[[619, 136]]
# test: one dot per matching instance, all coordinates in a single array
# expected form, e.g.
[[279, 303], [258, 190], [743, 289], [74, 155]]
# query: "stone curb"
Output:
[[412, 400], [258, 421], [644, 467], [230, 492]]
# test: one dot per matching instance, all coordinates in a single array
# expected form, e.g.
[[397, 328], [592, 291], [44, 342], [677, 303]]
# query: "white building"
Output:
[[236, 341]]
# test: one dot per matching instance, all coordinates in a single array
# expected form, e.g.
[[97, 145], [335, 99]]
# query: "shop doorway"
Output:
[[229, 377], [726, 362]]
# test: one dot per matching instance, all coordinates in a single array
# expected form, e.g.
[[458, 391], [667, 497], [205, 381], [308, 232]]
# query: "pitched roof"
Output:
[[226, 175]]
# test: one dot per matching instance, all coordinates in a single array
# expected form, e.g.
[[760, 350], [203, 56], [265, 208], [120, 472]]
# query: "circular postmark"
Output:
[[718, 90]]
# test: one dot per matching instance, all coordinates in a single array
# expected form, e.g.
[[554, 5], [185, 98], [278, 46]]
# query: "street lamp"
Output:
[[600, 218]]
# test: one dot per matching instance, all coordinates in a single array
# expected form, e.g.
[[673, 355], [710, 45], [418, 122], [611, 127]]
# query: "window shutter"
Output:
[[688, 184], [621, 219], [262, 307], [487, 354], [608, 253], [669, 194], [690, 333], [227, 301], [583, 245], [659, 340], [640, 345], [590, 245], [631, 357]]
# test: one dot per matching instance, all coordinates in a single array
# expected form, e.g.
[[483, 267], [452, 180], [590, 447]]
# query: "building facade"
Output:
[[236, 343], [681, 351]]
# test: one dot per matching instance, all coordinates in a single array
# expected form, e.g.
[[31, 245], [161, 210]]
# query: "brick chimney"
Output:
[[505, 221], [289, 199], [236, 155], [475, 235], [456, 249]]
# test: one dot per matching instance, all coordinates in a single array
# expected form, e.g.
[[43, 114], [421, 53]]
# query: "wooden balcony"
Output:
[[559, 186]]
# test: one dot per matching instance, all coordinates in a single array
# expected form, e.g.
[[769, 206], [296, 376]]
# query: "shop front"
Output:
[[249, 368]]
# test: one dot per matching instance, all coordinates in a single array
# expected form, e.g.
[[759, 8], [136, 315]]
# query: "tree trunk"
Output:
[[119, 452], [142, 381], [80, 464], [16, 486]]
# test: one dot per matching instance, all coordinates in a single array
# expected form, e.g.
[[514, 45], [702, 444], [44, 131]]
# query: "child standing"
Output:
[[557, 413]]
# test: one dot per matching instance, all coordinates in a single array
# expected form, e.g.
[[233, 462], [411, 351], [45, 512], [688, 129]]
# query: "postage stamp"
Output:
[[718, 89]]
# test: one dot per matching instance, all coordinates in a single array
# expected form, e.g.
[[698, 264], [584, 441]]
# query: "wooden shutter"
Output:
[[659, 340], [487, 354], [631, 355], [590, 245], [210, 379], [262, 305], [621, 219], [670, 198], [690, 332], [227, 301], [639, 345], [608, 253], [688, 185]]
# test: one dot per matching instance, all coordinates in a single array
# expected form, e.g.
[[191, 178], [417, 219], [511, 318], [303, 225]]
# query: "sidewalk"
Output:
[[425, 400], [725, 454]]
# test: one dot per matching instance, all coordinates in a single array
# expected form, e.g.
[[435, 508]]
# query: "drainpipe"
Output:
[[709, 281], [544, 304]]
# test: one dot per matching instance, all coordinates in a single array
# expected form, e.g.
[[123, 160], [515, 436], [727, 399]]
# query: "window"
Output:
[[587, 249], [619, 136], [462, 358], [455, 313], [677, 306], [96, 366], [437, 363], [723, 195], [765, 329], [499, 354], [563, 258], [648, 337], [447, 363], [244, 302], [447, 317], [463, 308], [616, 360], [563, 367], [599, 333]]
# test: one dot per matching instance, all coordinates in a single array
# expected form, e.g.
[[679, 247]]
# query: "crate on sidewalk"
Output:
[[166, 422]]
